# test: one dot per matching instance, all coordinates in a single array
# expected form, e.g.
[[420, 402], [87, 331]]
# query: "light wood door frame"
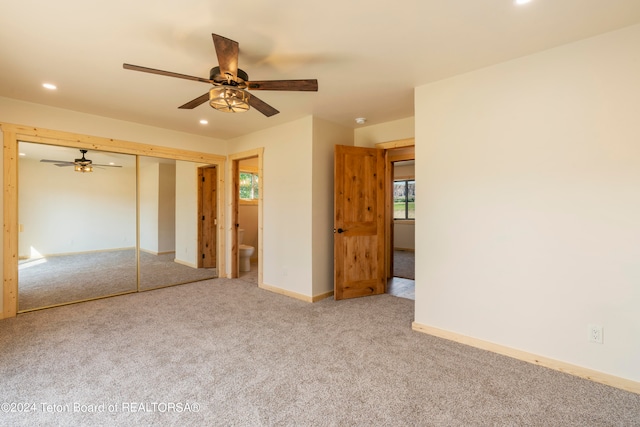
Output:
[[207, 218], [234, 173], [395, 151], [13, 133]]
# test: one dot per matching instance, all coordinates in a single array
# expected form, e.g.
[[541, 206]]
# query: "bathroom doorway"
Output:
[[246, 216]]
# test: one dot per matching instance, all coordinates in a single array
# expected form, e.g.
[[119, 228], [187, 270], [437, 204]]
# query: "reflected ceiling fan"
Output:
[[81, 165], [230, 83]]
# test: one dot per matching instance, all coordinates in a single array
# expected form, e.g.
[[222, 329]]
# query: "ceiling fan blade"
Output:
[[302, 85], [61, 165], [57, 161], [106, 166], [165, 73], [262, 106], [227, 52], [196, 102]]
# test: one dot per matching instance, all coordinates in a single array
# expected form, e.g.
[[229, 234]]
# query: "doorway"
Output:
[[364, 220], [246, 216], [402, 281], [400, 224]]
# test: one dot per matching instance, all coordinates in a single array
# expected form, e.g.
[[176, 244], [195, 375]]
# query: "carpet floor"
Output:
[[224, 352], [68, 278]]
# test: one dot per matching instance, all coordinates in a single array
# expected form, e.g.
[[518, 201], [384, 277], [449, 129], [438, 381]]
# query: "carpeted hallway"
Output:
[[239, 355]]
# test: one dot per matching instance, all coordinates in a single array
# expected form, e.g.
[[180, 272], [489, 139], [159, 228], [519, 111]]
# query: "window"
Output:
[[404, 199], [248, 186]]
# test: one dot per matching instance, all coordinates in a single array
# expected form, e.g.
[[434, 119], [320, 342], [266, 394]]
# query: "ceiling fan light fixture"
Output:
[[229, 99], [83, 168]]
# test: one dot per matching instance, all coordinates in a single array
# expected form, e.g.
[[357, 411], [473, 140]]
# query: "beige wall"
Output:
[[369, 136], [286, 179], [186, 212], [326, 136], [37, 115], [404, 172], [62, 211], [248, 220], [157, 185], [167, 208], [298, 202], [149, 196], [529, 203]]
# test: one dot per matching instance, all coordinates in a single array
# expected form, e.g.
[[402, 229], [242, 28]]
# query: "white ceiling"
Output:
[[367, 55]]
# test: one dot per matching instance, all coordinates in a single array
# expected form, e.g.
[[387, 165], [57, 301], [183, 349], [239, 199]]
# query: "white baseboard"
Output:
[[579, 371]]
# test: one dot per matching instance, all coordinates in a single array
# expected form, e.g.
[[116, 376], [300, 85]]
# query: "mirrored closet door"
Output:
[[77, 225], [170, 223]]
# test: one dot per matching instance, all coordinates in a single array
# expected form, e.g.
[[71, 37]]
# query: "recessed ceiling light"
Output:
[[204, 122], [111, 163], [49, 86], [520, 2], [21, 154], [361, 120]]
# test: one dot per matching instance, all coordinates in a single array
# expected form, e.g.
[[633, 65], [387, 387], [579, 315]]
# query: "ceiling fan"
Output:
[[230, 83], [81, 165]]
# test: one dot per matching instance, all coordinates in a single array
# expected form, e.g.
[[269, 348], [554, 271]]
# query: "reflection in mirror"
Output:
[[77, 225], [169, 219]]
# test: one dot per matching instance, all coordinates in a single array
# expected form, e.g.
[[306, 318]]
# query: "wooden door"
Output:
[[207, 208], [359, 228]]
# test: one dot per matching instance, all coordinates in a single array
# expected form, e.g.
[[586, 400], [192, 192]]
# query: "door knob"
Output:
[[340, 230]]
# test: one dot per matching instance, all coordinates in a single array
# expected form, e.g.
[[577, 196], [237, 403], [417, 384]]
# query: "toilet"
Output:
[[245, 252]]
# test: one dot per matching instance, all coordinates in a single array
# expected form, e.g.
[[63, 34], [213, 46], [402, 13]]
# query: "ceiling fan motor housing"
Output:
[[83, 161], [217, 77]]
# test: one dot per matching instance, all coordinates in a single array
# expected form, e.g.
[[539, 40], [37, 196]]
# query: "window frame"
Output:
[[254, 173], [406, 181]]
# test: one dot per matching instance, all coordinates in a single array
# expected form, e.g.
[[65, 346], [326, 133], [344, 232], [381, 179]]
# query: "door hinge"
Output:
[[203, 217], [202, 256]]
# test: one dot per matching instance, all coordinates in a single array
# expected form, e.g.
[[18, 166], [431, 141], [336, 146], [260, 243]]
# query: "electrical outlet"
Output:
[[595, 334]]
